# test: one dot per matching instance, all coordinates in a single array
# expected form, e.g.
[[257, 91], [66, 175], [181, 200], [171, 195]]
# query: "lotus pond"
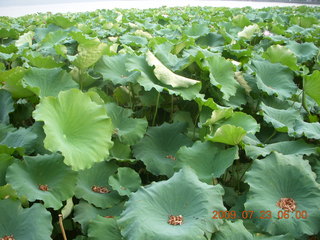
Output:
[[161, 124]]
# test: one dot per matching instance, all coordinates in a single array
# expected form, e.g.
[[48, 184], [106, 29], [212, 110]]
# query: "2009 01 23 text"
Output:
[[259, 214]]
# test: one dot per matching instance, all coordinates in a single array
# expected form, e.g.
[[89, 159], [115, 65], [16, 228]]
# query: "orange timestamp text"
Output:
[[282, 214]]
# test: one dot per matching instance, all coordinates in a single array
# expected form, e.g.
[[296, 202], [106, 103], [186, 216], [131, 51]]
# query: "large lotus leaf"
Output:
[[283, 120], [6, 106], [25, 40], [89, 52], [228, 134], [274, 79], [159, 146], [15, 220], [312, 86], [281, 54], [297, 147], [84, 213], [22, 139], [219, 114], [48, 82], [222, 75], [129, 130], [163, 53], [93, 186], [240, 119], [43, 177], [208, 160], [284, 176], [133, 40], [101, 227], [36, 59], [149, 209], [304, 51], [12, 82], [113, 68], [166, 76], [232, 231], [249, 31], [121, 152], [125, 181], [5, 162], [76, 126], [148, 80], [197, 29], [310, 130]]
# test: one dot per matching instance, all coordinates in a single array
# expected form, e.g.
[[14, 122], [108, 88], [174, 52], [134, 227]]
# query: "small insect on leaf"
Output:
[[100, 189], [43, 187]]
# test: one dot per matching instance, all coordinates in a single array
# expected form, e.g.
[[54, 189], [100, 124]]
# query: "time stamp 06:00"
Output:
[[259, 214]]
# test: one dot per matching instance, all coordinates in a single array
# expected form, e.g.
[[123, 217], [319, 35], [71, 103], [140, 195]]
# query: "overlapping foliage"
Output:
[[142, 124]]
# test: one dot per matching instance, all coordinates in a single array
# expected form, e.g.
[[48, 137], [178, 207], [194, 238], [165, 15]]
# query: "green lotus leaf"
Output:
[[22, 139], [48, 82], [274, 79], [12, 82], [270, 237], [101, 227], [197, 30], [148, 80], [36, 59], [76, 126], [249, 31], [281, 54], [113, 68], [149, 209], [310, 130], [219, 114], [121, 152], [93, 186], [298, 147], [7, 192], [166, 76], [304, 51], [25, 40], [61, 21], [233, 231], [208, 160], [84, 213], [159, 146], [239, 119], [228, 134], [129, 130], [312, 86], [6, 106], [43, 177], [5, 162], [133, 40], [283, 120], [284, 176], [16, 220], [163, 53], [125, 181], [211, 39], [89, 52], [222, 75]]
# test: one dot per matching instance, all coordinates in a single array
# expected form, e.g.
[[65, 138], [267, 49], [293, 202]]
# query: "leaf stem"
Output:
[[62, 228], [133, 96], [271, 136], [171, 114], [156, 110]]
